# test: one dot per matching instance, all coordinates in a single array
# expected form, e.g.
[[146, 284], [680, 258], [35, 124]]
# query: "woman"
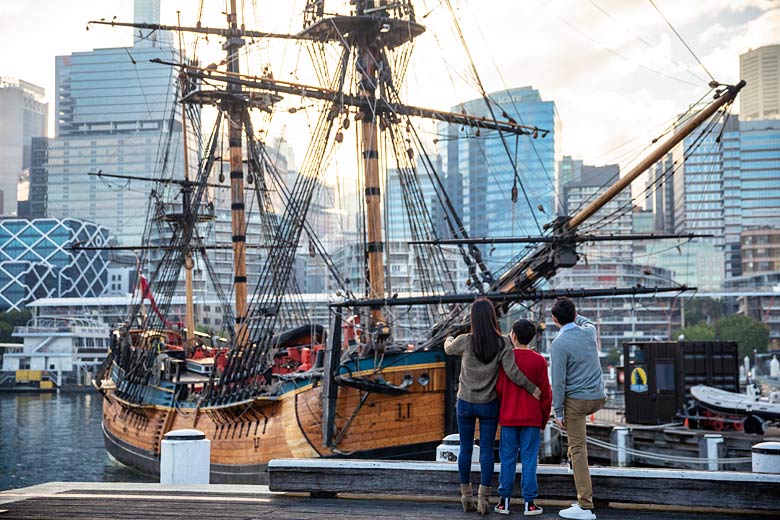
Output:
[[482, 350]]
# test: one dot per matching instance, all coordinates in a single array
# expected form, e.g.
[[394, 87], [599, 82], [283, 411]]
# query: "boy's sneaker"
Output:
[[532, 509], [575, 512], [503, 506]]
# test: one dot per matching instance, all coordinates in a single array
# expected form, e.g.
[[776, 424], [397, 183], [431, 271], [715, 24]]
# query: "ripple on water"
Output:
[[55, 437]]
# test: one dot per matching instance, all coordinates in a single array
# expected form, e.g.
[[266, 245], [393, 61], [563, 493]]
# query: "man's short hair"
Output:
[[564, 311], [524, 330]]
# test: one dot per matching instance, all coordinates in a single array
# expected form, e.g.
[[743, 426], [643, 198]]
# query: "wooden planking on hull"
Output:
[[253, 433], [384, 420]]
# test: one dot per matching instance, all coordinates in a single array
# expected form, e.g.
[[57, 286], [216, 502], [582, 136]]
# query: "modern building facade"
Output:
[[760, 248], [23, 115], [659, 194], [699, 263], [569, 169], [619, 319], [615, 218], [698, 185], [116, 113], [37, 260], [38, 180], [751, 171], [480, 161], [642, 222], [760, 68]]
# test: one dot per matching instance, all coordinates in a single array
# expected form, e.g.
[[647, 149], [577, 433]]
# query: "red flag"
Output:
[[146, 294]]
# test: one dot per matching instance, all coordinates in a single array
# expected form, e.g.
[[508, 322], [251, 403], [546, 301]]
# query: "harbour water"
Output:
[[55, 437]]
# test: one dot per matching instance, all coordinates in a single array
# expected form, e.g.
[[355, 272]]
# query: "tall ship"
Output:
[[276, 383]]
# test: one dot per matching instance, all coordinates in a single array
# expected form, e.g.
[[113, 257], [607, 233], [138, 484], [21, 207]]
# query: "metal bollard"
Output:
[[766, 457], [620, 437], [547, 448], [449, 450], [185, 457], [712, 441]]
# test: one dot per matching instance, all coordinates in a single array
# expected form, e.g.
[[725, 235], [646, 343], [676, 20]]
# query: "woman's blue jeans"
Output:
[[468, 413]]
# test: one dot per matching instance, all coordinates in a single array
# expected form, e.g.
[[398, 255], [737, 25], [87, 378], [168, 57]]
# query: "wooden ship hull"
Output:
[[245, 436]]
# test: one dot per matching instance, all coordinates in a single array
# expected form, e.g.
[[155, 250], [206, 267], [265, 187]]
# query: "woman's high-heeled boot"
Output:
[[482, 500], [467, 498]]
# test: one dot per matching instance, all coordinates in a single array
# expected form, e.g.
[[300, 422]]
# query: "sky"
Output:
[[615, 70]]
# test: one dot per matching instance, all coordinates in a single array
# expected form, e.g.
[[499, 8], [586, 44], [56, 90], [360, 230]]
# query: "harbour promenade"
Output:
[[82, 501]]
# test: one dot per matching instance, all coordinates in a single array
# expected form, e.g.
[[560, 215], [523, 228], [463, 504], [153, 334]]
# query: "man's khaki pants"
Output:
[[575, 411]]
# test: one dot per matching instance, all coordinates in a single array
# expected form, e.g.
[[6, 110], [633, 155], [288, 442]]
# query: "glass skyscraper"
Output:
[[760, 68], [751, 169], [117, 113], [698, 186], [615, 218], [479, 160], [23, 116]]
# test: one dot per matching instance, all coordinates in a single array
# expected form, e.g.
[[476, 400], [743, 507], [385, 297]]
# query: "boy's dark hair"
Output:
[[564, 311], [524, 330]]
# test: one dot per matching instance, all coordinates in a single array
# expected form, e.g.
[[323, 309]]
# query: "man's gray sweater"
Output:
[[575, 367]]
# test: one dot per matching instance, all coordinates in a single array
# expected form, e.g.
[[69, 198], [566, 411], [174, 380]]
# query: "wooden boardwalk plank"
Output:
[[633, 485], [174, 507]]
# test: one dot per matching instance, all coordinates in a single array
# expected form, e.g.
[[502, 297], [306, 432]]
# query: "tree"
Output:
[[747, 332], [9, 320], [706, 310], [613, 357], [699, 332]]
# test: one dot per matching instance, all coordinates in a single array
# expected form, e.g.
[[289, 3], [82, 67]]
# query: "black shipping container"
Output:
[[659, 375]]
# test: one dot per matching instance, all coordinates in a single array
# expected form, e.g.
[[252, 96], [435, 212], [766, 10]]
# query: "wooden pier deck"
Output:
[[83, 501]]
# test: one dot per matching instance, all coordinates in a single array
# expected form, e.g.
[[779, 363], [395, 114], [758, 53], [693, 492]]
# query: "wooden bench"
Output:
[[727, 489]]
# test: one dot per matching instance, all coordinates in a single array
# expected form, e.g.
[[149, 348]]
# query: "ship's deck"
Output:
[[77, 501]]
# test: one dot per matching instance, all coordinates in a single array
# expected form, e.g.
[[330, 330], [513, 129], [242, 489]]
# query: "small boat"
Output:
[[756, 411]]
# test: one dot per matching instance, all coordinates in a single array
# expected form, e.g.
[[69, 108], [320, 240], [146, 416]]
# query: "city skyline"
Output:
[[642, 72]]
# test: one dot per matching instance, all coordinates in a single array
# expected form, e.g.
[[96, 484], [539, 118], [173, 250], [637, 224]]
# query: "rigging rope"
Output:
[[682, 40], [489, 105]]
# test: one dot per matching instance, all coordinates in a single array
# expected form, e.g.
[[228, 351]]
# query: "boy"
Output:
[[522, 418]]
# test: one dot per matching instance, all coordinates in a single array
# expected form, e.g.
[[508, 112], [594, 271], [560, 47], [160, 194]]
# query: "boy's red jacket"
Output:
[[518, 407]]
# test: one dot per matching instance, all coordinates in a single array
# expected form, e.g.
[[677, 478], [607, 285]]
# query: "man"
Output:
[[522, 418], [578, 391]]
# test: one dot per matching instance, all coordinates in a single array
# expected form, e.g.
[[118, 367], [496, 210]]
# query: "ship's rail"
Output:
[[63, 325]]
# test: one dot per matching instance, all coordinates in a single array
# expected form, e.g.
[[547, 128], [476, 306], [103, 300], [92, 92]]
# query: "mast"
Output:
[[189, 308], [238, 223], [367, 68], [585, 213]]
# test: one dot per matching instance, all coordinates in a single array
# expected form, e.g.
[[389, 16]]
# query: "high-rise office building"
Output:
[[487, 177], [615, 218], [569, 169], [751, 177], [760, 250], [39, 179], [760, 68], [117, 113], [659, 194], [698, 185], [642, 222], [23, 115]]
